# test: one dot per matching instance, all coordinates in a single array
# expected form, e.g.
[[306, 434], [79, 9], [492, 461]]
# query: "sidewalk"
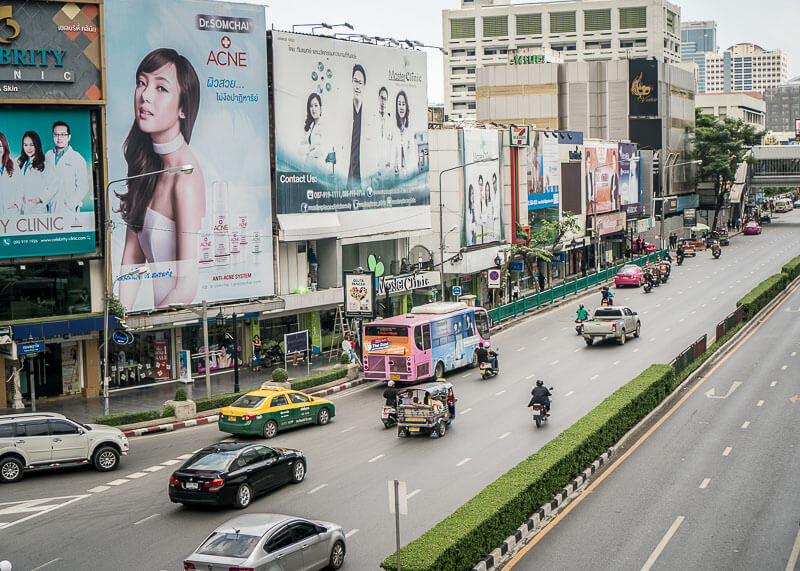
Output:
[[136, 399]]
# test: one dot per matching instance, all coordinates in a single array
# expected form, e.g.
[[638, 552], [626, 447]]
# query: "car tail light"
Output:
[[214, 485], [248, 417], [614, 327], [173, 481], [187, 565]]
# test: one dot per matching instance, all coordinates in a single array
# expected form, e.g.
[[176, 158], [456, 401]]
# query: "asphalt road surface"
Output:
[[78, 518], [714, 487]]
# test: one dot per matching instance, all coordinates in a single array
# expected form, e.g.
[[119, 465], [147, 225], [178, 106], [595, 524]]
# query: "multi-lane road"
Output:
[[83, 519]]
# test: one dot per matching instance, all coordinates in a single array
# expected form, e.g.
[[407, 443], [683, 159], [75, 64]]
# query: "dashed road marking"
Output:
[[668, 329], [376, 458], [773, 383], [136, 475], [704, 484], [520, 349], [154, 468], [617, 362], [636, 350], [465, 375], [169, 462], [544, 338], [412, 494], [352, 532], [652, 339], [464, 461], [760, 403], [793, 353], [555, 362], [56, 560], [184, 456], [784, 368], [746, 424], [118, 482], [145, 519], [504, 435], [498, 393], [663, 543], [594, 377], [98, 489], [727, 451], [569, 394], [576, 349], [317, 489], [530, 376], [348, 429], [466, 410], [681, 320]]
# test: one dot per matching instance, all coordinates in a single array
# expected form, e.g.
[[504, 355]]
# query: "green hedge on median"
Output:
[[484, 522], [762, 294], [792, 268], [134, 417], [318, 379]]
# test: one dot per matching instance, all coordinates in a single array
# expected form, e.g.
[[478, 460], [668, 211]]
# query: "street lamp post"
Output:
[[221, 324], [663, 194], [184, 169], [441, 215]]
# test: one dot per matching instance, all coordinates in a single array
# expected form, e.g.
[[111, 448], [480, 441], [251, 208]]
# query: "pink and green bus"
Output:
[[424, 344]]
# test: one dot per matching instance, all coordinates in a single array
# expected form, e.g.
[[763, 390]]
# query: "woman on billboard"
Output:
[[163, 213], [405, 159], [9, 194], [311, 144], [31, 171]]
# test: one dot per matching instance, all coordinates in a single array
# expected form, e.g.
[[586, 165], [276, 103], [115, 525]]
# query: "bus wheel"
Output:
[[438, 372], [474, 363]]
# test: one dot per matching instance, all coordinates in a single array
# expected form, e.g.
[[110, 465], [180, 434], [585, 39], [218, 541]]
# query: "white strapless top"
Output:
[[157, 240]]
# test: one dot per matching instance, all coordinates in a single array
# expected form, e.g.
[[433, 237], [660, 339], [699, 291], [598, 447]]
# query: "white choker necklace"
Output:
[[171, 147]]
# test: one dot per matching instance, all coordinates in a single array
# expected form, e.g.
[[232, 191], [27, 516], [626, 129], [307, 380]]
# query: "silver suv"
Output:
[[44, 440]]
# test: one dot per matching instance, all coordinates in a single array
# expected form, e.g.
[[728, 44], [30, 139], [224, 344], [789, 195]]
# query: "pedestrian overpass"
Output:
[[775, 165]]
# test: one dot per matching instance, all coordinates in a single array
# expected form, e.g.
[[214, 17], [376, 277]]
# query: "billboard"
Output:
[[50, 50], [544, 171], [359, 294], [643, 87], [602, 185], [629, 186], [352, 131], [483, 189], [46, 183], [190, 87]]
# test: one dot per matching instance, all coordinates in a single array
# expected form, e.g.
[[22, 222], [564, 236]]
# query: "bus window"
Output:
[[426, 337], [418, 337], [482, 320]]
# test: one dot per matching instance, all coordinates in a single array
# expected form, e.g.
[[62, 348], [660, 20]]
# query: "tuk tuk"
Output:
[[426, 409]]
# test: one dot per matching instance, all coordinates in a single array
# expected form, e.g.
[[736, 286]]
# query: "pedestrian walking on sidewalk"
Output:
[[515, 292]]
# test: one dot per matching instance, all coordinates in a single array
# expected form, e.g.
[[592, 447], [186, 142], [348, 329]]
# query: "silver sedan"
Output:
[[264, 542]]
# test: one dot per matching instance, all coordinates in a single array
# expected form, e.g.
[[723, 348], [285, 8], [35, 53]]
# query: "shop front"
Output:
[[611, 227]]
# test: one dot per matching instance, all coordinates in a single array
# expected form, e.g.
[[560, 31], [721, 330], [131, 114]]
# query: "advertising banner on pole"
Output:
[[359, 294], [352, 131], [483, 189], [602, 185], [544, 171], [629, 189], [46, 183], [189, 88]]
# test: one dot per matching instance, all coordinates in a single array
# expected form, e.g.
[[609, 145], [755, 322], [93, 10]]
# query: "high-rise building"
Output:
[[744, 67], [697, 39], [783, 106], [492, 32]]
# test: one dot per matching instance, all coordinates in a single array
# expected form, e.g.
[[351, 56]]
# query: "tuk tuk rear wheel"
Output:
[[442, 428]]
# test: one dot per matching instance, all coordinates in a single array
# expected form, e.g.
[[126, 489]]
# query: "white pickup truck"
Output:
[[614, 322]]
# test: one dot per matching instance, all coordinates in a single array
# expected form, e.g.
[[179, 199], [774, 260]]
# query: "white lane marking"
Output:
[[727, 451], [464, 376], [576, 349], [658, 305], [555, 362], [118, 482], [185, 456], [704, 484], [636, 350], [773, 383], [569, 394], [795, 554], [504, 435], [376, 458], [169, 462], [46, 564], [746, 424], [466, 410], [669, 299], [348, 429], [412, 494], [498, 393], [616, 362], [693, 312], [705, 304], [464, 461], [154, 468], [594, 377], [667, 330], [34, 507], [652, 339], [530, 376], [793, 353], [545, 337], [317, 489], [145, 519], [136, 475], [760, 403], [520, 349], [663, 543], [784, 367], [98, 489], [352, 532]]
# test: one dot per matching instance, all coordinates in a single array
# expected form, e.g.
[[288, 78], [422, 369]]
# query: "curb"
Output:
[[169, 427], [534, 523]]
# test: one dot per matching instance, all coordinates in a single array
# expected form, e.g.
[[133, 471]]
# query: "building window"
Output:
[[671, 22], [495, 26], [490, 52], [44, 290], [562, 22], [633, 17], [625, 44], [596, 20], [462, 28], [529, 24]]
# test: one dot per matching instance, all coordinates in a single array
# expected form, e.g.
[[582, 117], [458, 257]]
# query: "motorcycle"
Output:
[[665, 270], [680, 259], [539, 414], [389, 416], [487, 370], [579, 326], [648, 283], [716, 251]]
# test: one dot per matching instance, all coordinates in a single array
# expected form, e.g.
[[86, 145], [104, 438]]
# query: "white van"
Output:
[[783, 205]]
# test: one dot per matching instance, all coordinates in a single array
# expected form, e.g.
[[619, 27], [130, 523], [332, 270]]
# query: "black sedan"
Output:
[[232, 473]]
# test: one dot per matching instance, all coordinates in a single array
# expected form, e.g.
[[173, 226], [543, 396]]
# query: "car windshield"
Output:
[[249, 401], [214, 461], [228, 545]]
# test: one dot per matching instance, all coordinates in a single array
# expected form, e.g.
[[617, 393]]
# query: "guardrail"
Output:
[[536, 300], [688, 355], [731, 321]]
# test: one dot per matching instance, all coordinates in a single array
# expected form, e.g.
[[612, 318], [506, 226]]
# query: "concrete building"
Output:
[[744, 67], [782, 107], [750, 107], [697, 39], [492, 32]]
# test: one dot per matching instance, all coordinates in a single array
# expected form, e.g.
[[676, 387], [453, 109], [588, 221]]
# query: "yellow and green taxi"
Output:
[[269, 409]]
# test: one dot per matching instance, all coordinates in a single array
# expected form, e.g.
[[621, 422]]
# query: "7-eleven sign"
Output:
[[520, 136]]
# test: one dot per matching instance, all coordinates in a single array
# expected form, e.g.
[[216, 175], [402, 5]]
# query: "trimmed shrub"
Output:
[[792, 268], [344, 359], [761, 295], [480, 525], [216, 401], [134, 417], [318, 379], [181, 394], [280, 375]]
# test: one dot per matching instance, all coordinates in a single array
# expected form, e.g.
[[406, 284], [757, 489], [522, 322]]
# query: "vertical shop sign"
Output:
[[161, 357]]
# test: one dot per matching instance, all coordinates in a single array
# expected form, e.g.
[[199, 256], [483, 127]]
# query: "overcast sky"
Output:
[[772, 24]]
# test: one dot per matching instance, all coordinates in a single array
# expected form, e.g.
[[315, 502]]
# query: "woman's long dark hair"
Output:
[[138, 147], [309, 118], [37, 161], [402, 123], [6, 161]]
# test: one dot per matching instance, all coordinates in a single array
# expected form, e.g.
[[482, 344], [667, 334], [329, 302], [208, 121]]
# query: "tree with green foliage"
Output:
[[721, 145]]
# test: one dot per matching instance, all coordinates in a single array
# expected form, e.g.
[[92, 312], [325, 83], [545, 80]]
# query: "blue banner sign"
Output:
[[30, 348]]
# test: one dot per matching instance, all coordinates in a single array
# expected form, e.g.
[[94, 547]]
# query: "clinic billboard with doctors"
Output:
[[190, 87], [483, 188]]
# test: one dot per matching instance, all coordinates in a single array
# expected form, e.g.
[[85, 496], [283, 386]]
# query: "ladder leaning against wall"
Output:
[[340, 327]]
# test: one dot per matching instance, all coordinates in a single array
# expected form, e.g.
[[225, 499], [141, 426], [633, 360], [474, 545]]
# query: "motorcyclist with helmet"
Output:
[[583, 313], [390, 394], [540, 394], [486, 355]]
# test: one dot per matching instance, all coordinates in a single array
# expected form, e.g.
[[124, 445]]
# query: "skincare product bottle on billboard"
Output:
[[222, 254], [235, 241], [243, 239], [256, 244], [206, 247]]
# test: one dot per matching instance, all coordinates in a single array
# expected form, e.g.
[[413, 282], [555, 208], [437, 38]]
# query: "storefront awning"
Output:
[[296, 227], [61, 327], [735, 195]]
